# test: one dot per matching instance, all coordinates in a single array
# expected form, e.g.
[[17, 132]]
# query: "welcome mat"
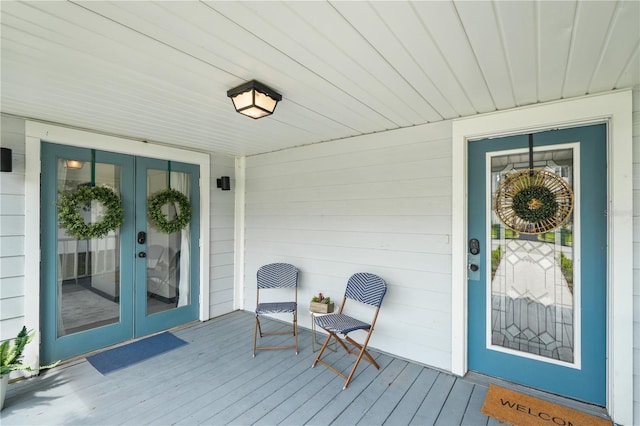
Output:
[[124, 356], [523, 410]]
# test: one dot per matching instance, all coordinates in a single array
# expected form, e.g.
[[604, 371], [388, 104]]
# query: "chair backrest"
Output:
[[366, 288], [277, 275]]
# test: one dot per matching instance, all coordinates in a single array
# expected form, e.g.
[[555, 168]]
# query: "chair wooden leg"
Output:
[[362, 353], [324, 345], [369, 359], [295, 329], [363, 350], [255, 335], [258, 331], [353, 370], [346, 348]]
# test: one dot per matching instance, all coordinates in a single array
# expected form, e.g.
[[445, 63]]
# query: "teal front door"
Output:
[[133, 281], [537, 294]]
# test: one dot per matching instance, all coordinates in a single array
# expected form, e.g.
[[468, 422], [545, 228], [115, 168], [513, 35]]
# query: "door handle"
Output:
[[142, 254], [473, 267]]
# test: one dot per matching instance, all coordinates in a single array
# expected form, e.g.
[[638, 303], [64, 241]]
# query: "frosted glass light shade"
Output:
[[254, 99]]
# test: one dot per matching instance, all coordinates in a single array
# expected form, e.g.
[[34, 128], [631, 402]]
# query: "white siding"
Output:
[[12, 231], [636, 256], [379, 203], [222, 238]]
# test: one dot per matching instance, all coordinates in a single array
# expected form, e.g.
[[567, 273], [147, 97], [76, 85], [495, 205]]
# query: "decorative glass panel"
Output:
[[532, 279]]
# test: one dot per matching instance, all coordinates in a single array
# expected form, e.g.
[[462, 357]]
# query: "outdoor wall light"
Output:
[[224, 183], [74, 164], [6, 161], [254, 99]]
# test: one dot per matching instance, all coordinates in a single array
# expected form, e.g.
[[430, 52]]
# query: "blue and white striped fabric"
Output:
[[366, 288], [277, 275], [340, 324], [276, 308]]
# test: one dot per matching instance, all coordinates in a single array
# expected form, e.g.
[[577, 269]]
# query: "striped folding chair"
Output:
[[364, 288], [276, 276]]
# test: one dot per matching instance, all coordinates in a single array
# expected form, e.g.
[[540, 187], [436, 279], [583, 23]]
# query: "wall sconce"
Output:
[[6, 161], [74, 164], [224, 183], [254, 99]]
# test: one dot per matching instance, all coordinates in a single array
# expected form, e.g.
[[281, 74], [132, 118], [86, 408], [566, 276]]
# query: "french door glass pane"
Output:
[[88, 270], [532, 279], [168, 261]]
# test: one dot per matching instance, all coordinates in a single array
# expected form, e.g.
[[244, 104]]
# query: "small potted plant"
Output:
[[321, 304], [11, 359]]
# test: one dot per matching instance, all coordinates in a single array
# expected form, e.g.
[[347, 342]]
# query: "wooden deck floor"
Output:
[[215, 380]]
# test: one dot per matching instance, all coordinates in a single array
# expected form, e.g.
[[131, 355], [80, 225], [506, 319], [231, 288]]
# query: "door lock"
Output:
[[142, 237], [473, 260], [474, 246], [142, 254]]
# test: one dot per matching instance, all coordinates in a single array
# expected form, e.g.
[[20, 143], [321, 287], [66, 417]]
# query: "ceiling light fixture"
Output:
[[74, 164], [254, 99]]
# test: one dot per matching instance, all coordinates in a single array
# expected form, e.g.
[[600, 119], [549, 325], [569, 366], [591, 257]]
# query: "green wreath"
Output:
[[159, 219], [72, 201], [535, 204]]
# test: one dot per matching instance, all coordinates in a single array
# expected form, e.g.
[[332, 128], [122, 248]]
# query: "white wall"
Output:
[[12, 212], [222, 238], [636, 256], [379, 203]]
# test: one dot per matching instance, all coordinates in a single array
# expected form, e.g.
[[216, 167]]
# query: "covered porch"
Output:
[[215, 380]]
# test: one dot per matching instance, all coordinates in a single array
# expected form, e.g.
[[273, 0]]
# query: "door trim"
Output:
[[35, 132], [615, 109]]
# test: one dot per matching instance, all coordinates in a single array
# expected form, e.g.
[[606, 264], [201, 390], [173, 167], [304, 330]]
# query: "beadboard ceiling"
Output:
[[159, 71]]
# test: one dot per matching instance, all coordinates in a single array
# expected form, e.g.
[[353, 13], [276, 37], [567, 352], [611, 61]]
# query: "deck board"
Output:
[[329, 401], [430, 408], [393, 394], [453, 408], [215, 380], [370, 395], [406, 409], [308, 386]]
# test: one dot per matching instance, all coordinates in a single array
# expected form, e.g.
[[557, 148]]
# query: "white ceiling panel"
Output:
[[621, 42], [591, 27], [555, 31], [386, 57], [443, 23], [159, 71], [486, 37], [450, 100], [517, 23]]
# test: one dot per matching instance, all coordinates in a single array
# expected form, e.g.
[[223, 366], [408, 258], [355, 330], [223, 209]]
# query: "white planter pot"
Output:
[[4, 381]]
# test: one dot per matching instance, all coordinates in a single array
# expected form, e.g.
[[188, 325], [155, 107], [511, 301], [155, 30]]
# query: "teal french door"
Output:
[[537, 301], [134, 281]]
